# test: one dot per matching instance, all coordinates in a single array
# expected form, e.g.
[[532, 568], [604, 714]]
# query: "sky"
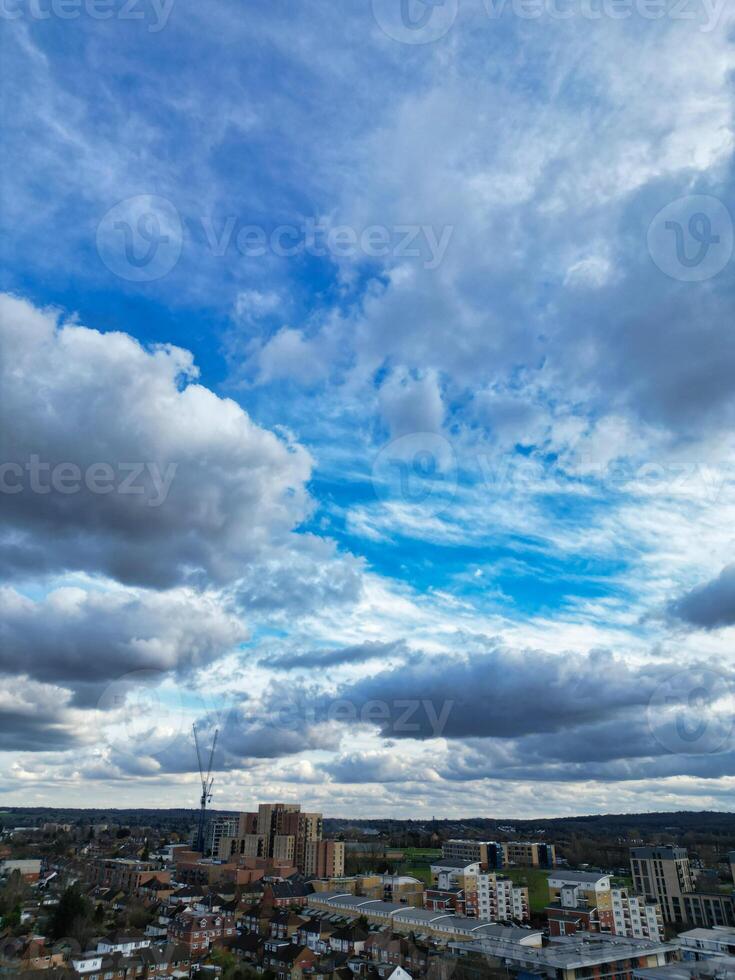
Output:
[[367, 384]]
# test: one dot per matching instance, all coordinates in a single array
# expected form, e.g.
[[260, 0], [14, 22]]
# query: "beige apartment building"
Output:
[[664, 875], [492, 854]]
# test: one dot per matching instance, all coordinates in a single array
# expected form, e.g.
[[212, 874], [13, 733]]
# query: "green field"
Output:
[[536, 879], [418, 862], [430, 853], [420, 871]]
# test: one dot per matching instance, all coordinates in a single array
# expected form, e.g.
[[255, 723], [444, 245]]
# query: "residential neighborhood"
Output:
[[112, 903]]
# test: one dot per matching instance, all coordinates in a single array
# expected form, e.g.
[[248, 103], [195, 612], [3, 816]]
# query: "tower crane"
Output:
[[207, 780]]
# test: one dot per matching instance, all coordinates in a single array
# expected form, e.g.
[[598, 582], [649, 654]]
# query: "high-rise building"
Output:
[[324, 858], [282, 832], [222, 831], [663, 874]]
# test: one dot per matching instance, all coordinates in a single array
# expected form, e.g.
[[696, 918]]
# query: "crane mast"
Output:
[[207, 780]]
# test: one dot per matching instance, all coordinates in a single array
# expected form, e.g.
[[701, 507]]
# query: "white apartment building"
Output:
[[488, 895], [499, 899], [636, 916]]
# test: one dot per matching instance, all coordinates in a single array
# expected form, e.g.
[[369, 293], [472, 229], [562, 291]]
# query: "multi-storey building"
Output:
[[279, 831], [709, 909], [324, 858], [484, 894], [636, 916], [129, 875], [531, 854], [486, 852], [499, 899], [579, 900], [222, 831], [492, 854], [664, 875]]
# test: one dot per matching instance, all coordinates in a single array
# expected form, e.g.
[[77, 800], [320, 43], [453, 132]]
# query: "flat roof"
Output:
[[720, 966], [578, 877], [723, 933], [567, 952]]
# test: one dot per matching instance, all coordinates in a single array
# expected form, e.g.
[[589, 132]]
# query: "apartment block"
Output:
[[579, 901], [129, 875], [709, 909], [501, 900], [484, 895], [222, 831], [494, 855], [529, 854], [636, 916], [663, 874], [485, 852], [324, 858], [281, 832]]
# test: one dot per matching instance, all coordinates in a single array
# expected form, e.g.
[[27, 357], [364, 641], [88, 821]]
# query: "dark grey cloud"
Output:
[[35, 717], [82, 639], [504, 693], [357, 654], [711, 605]]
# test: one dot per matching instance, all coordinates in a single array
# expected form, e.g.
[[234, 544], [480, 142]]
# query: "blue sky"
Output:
[[388, 349]]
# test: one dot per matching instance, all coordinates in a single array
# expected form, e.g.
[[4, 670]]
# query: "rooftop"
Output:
[[566, 952]]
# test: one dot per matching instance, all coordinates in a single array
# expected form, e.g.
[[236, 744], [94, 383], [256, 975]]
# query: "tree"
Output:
[[71, 916]]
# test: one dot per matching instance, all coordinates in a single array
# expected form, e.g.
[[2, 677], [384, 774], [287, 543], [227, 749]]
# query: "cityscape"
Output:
[[367, 489], [269, 895]]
